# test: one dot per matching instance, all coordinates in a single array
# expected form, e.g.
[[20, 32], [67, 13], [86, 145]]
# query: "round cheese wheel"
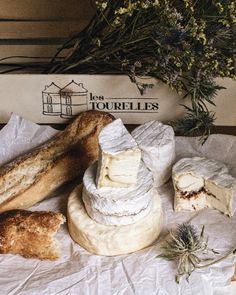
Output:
[[111, 240]]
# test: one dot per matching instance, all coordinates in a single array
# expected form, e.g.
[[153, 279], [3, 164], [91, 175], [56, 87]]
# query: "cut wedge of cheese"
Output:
[[119, 157], [111, 240], [157, 143], [203, 183]]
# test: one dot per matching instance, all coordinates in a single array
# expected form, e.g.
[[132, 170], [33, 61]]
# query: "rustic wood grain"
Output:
[[16, 54], [37, 28], [41, 29], [45, 9]]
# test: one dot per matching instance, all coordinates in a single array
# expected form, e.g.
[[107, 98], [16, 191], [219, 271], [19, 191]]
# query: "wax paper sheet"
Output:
[[79, 272]]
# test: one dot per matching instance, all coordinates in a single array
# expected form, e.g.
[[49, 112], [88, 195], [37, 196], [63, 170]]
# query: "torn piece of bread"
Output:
[[32, 177], [30, 234]]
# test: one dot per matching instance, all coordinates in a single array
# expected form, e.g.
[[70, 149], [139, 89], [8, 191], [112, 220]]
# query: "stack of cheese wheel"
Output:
[[117, 210]]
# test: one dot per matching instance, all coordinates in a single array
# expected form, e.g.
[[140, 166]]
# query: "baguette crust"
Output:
[[32, 177], [30, 234]]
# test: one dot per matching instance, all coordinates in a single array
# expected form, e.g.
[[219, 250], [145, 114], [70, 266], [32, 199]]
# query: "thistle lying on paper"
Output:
[[188, 248]]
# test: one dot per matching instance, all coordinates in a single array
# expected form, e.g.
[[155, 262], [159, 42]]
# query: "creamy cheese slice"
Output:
[[157, 143], [203, 183], [119, 157]]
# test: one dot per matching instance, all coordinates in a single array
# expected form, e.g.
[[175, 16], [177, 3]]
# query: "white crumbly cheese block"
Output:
[[157, 143], [119, 157], [203, 183], [118, 206], [112, 240]]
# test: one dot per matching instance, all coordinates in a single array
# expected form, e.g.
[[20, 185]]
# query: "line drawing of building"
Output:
[[65, 102], [51, 100], [73, 99]]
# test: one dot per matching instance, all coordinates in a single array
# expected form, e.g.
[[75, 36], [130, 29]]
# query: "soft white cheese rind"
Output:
[[203, 183], [119, 157], [111, 240], [118, 206], [116, 219], [157, 143]]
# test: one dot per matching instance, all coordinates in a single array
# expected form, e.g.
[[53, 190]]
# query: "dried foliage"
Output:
[[186, 44], [189, 249]]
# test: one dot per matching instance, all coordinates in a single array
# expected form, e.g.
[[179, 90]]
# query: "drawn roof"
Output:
[[52, 89], [74, 87]]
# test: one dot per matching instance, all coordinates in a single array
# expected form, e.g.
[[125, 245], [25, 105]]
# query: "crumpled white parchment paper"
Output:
[[79, 272]]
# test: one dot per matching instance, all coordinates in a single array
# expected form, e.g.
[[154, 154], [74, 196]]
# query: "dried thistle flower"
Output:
[[196, 122], [188, 248]]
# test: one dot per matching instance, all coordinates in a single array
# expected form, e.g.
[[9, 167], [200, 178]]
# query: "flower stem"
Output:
[[218, 260]]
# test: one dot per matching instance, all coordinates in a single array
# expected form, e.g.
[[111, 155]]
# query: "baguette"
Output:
[[32, 177], [30, 234]]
